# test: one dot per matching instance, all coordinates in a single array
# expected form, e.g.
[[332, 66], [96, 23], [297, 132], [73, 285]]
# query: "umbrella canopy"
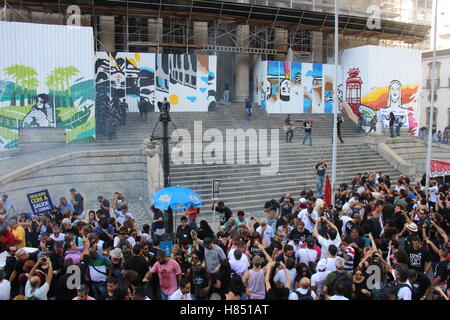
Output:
[[176, 198]]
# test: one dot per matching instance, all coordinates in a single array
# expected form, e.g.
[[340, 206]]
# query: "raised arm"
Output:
[[266, 255], [268, 272]]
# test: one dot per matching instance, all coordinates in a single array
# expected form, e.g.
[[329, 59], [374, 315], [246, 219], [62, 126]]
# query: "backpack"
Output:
[[394, 287], [341, 277], [306, 296]]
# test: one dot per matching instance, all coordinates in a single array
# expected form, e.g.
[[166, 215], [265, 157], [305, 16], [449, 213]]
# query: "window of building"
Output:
[[425, 4], [435, 111]]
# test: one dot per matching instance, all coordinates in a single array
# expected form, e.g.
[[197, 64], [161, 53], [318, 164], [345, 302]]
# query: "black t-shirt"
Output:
[[278, 294], [321, 168], [106, 212], [224, 214], [198, 280], [442, 270], [286, 209], [420, 286], [138, 264], [308, 126], [158, 214], [388, 211], [349, 226], [418, 258], [184, 234], [79, 207], [297, 234], [255, 251]]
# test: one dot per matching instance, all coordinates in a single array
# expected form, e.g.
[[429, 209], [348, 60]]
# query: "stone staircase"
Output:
[[243, 187], [414, 151]]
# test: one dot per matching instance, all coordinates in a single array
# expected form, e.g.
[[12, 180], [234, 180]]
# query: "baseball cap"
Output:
[[322, 265]]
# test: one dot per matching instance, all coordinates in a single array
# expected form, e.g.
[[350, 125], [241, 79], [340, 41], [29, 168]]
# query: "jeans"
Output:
[[99, 290], [373, 128], [192, 223], [391, 131], [320, 181], [360, 126], [397, 131], [165, 296], [272, 222], [308, 135], [249, 113], [289, 135]]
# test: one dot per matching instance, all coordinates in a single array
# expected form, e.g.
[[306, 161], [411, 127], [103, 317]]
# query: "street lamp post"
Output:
[[430, 124], [335, 99], [164, 118]]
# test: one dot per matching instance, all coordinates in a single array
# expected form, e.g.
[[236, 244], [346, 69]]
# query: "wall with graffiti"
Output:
[[143, 79], [379, 80], [294, 87], [46, 81]]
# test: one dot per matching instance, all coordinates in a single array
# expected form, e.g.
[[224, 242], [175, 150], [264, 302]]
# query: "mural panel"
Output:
[[46, 84]]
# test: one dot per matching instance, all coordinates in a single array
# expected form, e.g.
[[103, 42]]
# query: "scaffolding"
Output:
[[200, 26]]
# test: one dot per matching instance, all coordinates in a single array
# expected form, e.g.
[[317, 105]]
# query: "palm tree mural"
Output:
[[51, 85], [68, 73], [59, 80], [31, 84], [23, 76], [16, 72]]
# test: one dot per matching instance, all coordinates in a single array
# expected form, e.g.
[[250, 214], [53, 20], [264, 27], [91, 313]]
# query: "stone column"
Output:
[[242, 66], [155, 31], [317, 47], [106, 31], [281, 42], [200, 33]]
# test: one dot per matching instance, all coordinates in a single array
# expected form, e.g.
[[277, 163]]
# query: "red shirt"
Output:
[[193, 213], [6, 240]]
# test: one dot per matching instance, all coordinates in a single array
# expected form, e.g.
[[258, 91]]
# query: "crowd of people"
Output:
[[381, 240], [110, 114], [438, 136]]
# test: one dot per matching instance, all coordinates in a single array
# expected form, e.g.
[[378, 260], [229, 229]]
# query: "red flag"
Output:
[[327, 195]]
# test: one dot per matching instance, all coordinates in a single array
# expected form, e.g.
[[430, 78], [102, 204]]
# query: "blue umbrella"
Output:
[[177, 198]]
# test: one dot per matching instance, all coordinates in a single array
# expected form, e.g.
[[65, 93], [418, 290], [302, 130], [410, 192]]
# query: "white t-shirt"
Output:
[[331, 264], [280, 276], [177, 295], [294, 296], [433, 192], [338, 298], [59, 238], [40, 293], [303, 216], [306, 255], [344, 220], [5, 290], [318, 280], [405, 293], [130, 240], [240, 266], [268, 233], [325, 243]]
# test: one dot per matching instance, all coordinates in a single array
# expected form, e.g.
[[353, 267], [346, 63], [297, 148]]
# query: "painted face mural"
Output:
[[267, 89], [285, 90], [40, 115], [394, 94]]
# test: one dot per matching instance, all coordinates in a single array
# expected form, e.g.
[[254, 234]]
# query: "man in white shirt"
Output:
[[5, 287], [345, 218], [405, 291], [333, 236], [308, 254], [239, 263], [331, 260], [265, 231], [33, 288], [303, 291], [318, 278], [281, 275], [309, 218], [183, 292], [433, 191]]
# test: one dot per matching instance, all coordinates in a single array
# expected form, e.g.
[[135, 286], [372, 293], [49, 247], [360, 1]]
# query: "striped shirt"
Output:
[[349, 251]]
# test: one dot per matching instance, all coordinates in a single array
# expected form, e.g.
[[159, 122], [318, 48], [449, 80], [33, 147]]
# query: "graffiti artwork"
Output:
[[294, 87]]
